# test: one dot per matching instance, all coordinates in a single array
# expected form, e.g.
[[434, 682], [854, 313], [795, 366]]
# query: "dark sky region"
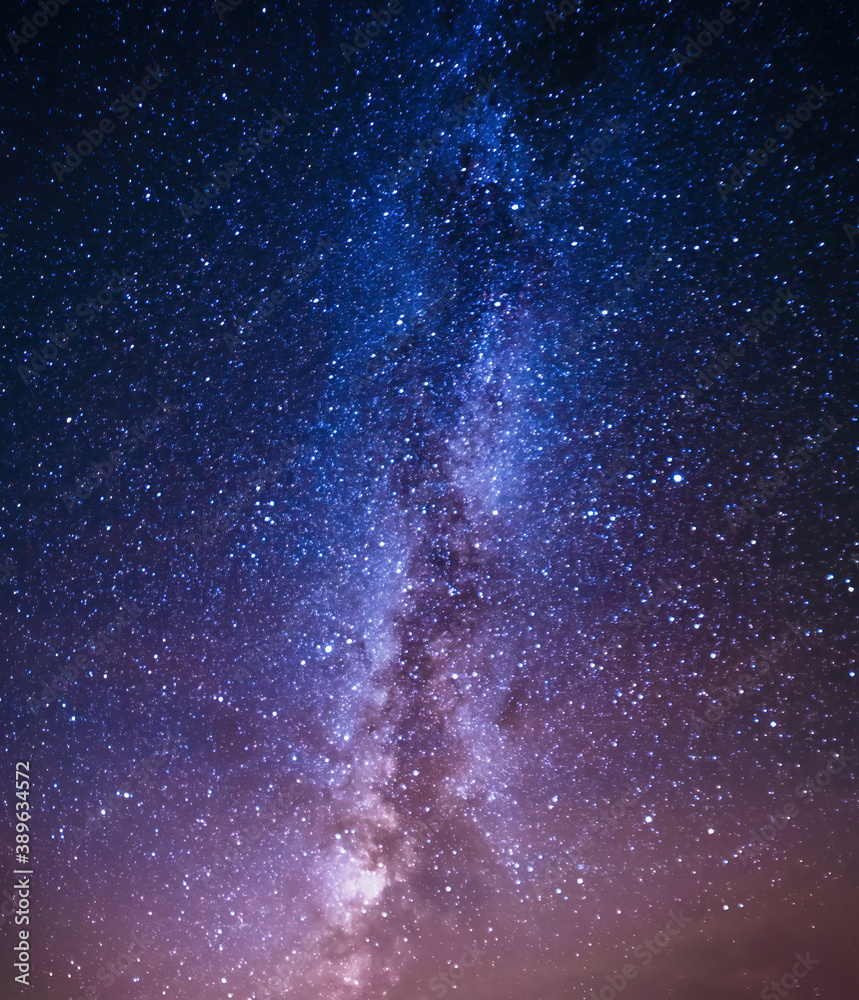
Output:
[[428, 495]]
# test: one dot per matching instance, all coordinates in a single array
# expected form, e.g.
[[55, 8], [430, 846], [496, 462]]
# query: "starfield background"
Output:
[[393, 605]]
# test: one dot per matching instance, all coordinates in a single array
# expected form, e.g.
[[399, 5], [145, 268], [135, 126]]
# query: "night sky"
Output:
[[428, 496]]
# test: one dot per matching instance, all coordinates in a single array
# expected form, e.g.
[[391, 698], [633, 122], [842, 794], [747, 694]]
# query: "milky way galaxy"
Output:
[[428, 525]]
